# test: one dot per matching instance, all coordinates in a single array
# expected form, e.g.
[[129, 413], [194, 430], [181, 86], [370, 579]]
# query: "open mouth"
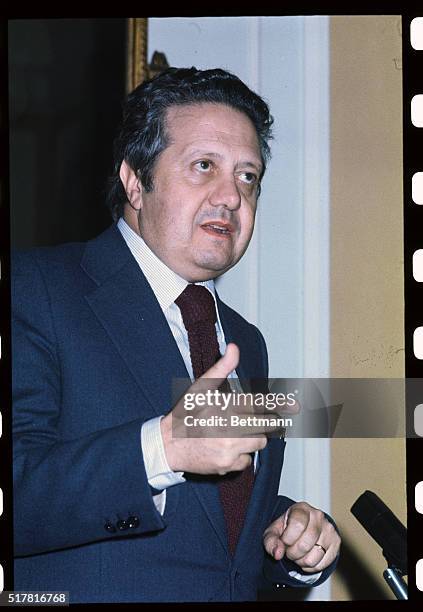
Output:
[[218, 228]]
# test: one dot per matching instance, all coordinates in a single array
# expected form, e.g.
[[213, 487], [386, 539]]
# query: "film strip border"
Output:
[[413, 283], [413, 292], [6, 525], [6, 522]]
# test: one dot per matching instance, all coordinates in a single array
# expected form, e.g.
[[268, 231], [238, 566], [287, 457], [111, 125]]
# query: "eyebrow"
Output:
[[245, 163]]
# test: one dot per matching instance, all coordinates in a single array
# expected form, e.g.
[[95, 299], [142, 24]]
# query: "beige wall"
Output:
[[366, 305]]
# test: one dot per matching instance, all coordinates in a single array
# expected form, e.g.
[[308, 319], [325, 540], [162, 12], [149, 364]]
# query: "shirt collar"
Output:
[[165, 283]]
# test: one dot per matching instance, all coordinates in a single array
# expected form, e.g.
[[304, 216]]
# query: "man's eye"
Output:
[[203, 165], [248, 177]]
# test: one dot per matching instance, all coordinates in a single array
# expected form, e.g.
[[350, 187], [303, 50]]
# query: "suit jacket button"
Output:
[[133, 522], [122, 525], [110, 527]]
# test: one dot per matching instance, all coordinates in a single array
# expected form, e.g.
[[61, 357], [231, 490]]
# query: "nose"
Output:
[[225, 193]]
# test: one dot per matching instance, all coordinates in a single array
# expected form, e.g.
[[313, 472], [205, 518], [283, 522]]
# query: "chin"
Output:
[[216, 260], [204, 271], [210, 271]]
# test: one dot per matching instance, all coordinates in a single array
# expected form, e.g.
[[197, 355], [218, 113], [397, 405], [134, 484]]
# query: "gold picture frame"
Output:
[[138, 68]]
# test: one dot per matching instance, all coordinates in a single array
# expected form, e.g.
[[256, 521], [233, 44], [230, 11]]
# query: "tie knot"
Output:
[[196, 304]]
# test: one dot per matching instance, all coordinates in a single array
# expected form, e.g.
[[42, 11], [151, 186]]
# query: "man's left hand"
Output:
[[304, 535]]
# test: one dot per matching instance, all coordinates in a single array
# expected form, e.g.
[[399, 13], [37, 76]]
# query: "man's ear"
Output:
[[131, 185]]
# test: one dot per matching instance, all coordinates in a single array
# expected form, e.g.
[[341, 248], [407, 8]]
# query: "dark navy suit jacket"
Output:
[[93, 358]]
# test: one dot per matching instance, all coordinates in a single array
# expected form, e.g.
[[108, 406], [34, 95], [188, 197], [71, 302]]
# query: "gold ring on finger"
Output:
[[322, 547]]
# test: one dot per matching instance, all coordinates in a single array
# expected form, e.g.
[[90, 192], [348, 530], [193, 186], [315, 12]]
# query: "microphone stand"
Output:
[[395, 582]]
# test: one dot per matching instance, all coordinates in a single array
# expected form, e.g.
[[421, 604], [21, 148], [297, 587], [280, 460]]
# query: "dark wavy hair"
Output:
[[143, 136]]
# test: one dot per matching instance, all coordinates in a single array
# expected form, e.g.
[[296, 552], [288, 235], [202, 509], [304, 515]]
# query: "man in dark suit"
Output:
[[109, 505]]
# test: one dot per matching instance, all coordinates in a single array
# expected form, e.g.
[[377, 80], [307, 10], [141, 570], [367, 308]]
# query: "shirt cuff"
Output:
[[160, 502], [306, 578], [159, 474]]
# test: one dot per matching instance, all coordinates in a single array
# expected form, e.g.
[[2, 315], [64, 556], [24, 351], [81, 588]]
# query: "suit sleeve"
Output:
[[67, 492]]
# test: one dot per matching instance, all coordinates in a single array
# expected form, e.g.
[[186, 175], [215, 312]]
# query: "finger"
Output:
[[296, 524], [305, 543], [272, 541], [252, 444], [311, 559], [323, 554], [275, 528], [289, 409], [242, 462], [331, 541], [278, 550], [241, 450], [315, 524], [324, 562]]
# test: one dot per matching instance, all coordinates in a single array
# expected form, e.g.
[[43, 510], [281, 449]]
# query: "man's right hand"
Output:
[[209, 455]]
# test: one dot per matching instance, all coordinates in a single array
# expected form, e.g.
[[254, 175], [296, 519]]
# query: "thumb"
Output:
[[224, 366], [213, 378]]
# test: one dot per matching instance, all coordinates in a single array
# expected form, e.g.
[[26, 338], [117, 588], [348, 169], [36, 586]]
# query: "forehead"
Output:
[[193, 125]]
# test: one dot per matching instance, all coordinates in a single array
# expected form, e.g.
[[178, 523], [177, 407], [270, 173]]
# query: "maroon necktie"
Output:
[[198, 311]]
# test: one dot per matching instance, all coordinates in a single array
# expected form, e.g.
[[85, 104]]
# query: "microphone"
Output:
[[384, 527], [391, 535]]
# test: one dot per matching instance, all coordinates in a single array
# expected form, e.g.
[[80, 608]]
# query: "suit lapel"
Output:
[[127, 308]]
